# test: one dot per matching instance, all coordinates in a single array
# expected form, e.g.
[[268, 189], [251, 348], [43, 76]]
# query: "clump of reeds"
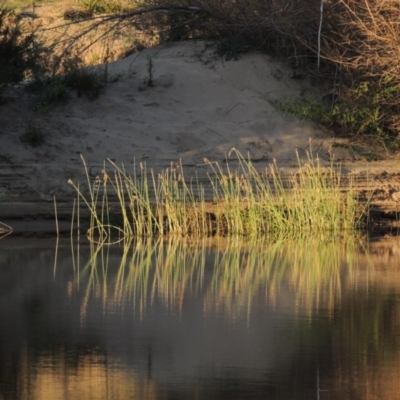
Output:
[[313, 201]]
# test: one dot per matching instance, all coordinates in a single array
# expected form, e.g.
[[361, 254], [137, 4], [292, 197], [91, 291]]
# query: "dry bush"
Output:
[[70, 32], [364, 36], [364, 44], [271, 25]]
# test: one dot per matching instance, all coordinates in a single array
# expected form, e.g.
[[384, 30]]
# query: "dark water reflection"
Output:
[[209, 321]]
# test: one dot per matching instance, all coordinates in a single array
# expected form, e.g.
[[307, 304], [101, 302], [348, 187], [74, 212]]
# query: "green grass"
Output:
[[232, 47], [305, 109], [245, 203]]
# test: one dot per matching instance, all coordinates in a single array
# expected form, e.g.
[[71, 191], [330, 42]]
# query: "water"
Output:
[[215, 321]]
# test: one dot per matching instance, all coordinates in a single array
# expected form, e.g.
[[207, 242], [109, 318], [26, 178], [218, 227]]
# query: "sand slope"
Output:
[[200, 107]]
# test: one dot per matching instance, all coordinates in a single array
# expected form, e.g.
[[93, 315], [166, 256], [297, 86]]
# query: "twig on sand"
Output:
[[5, 230]]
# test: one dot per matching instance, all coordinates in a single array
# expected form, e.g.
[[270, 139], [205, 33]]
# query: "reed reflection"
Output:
[[211, 320], [227, 275]]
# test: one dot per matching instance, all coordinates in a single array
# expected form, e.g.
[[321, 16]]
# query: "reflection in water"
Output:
[[215, 320], [89, 377], [229, 276]]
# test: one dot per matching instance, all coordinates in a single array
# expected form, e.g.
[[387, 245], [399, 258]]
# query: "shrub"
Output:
[[33, 136], [363, 44], [84, 81], [50, 92], [55, 90]]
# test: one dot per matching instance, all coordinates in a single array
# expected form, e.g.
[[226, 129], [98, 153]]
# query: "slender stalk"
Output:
[[245, 202]]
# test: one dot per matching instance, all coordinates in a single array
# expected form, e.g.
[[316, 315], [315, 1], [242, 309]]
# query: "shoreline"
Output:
[[199, 109], [40, 218]]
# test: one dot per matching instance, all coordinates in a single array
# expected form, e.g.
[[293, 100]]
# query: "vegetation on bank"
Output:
[[349, 47], [309, 203]]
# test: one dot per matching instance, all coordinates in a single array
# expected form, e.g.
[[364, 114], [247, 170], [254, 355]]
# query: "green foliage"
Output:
[[232, 47], [339, 145], [366, 109], [77, 15], [360, 110], [33, 136], [304, 109], [370, 108], [18, 55]]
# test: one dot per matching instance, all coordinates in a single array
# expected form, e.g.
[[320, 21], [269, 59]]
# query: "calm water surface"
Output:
[[223, 320]]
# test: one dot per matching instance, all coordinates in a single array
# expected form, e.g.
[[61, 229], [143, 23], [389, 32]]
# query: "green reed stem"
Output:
[[311, 202]]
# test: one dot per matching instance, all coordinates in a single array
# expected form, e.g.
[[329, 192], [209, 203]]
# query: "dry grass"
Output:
[[364, 47], [77, 32]]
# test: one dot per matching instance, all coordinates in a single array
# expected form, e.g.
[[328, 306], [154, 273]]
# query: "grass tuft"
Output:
[[102, 6], [315, 201]]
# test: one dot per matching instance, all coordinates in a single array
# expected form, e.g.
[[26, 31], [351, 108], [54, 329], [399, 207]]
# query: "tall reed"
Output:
[[314, 201]]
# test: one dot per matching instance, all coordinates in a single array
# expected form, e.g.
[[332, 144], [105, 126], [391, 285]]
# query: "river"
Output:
[[216, 319]]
